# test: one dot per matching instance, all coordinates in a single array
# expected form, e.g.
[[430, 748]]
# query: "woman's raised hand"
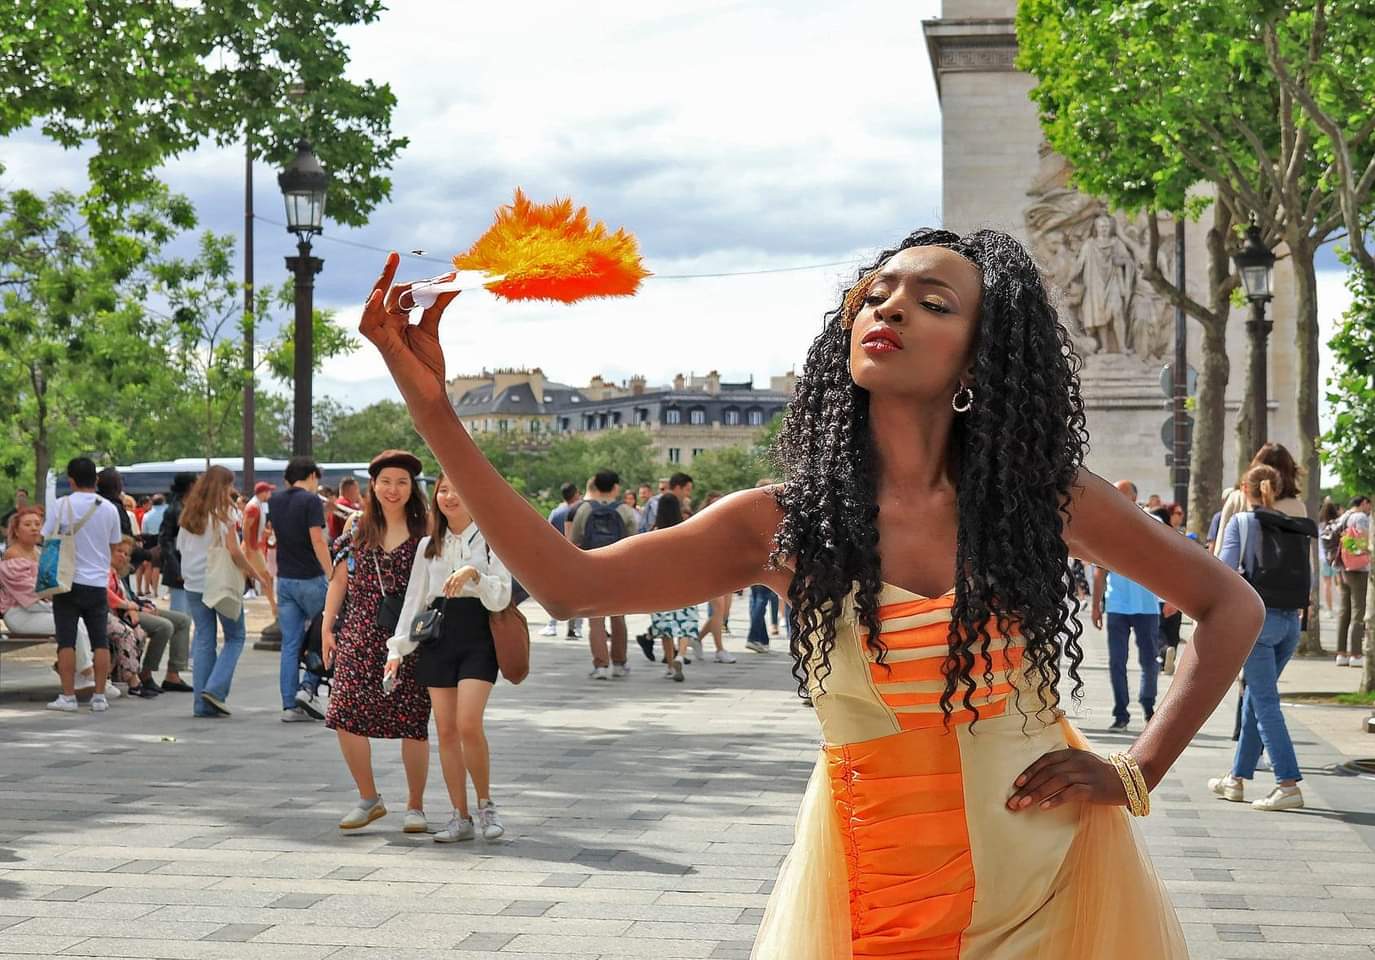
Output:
[[411, 352]]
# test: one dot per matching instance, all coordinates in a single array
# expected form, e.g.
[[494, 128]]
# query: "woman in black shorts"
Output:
[[455, 567]]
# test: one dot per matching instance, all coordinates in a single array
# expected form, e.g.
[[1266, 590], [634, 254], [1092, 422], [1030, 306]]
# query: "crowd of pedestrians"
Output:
[[385, 599]]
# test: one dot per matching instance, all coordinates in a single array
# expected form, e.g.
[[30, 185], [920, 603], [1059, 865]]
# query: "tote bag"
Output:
[[224, 583], [57, 560]]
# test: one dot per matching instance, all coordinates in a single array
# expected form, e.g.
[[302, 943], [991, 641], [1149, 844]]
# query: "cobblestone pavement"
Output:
[[647, 819]]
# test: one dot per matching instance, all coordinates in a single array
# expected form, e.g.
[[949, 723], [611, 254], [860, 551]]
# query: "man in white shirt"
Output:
[[95, 522]]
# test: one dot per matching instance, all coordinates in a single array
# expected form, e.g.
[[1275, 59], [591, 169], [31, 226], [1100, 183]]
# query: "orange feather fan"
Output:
[[549, 251]]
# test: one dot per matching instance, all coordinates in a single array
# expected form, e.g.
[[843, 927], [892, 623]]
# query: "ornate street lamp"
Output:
[[303, 184], [1255, 262]]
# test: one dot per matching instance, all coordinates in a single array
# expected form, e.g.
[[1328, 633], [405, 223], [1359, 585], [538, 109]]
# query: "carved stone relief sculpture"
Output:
[[1094, 259]]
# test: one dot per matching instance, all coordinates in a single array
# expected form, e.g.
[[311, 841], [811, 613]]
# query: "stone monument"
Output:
[[998, 171]]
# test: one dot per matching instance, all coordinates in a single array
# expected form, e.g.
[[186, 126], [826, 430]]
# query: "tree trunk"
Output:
[[1206, 480], [1245, 435], [1306, 339], [1210, 424]]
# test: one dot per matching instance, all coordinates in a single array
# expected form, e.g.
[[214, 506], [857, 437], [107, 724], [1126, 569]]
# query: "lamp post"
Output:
[[303, 185], [1255, 262]]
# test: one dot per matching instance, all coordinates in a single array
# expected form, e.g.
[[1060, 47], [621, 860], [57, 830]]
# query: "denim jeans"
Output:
[[298, 602], [759, 606], [1146, 626], [1262, 721], [212, 671], [176, 600]]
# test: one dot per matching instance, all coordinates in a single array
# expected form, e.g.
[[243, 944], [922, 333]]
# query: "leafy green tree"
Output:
[[1150, 100], [345, 435], [144, 82], [77, 349], [205, 319], [538, 467], [1349, 447]]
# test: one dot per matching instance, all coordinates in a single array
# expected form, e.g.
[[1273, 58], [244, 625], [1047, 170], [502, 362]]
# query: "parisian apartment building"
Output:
[[687, 417]]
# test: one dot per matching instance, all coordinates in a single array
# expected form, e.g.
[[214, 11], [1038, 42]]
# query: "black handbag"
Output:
[[428, 625], [389, 610]]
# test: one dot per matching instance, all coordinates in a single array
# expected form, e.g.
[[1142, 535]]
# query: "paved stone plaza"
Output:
[[646, 820]]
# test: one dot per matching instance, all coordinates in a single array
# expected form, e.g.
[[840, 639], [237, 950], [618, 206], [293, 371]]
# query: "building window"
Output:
[[503, 426], [601, 421], [641, 415], [697, 416], [672, 417], [731, 417], [675, 455], [616, 419], [756, 417], [565, 423], [697, 452], [534, 426]]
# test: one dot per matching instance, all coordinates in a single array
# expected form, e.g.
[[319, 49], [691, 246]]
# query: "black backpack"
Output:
[[604, 525], [1283, 573]]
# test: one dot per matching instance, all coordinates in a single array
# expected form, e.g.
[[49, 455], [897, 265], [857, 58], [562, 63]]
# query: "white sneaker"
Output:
[[675, 670], [1357, 662], [724, 656], [1228, 788], [754, 646], [697, 652], [296, 715], [1343, 660], [600, 673], [1280, 798], [619, 671], [112, 692], [458, 828], [310, 703], [363, 814], [551, 630], [492, 827], [99, 704], [64, 703], [415, 822]]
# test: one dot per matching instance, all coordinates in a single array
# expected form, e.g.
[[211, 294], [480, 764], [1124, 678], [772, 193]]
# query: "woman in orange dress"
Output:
[[935, 492]]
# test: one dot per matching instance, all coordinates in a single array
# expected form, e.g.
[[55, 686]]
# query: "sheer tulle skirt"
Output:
[[1103, 865]]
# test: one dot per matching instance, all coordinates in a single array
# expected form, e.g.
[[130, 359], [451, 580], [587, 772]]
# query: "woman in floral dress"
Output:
[[372, 562], [676, 628]]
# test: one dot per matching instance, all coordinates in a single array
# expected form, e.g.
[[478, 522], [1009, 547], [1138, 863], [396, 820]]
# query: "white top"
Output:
[[95, 538], [469, 548], [195, 548]]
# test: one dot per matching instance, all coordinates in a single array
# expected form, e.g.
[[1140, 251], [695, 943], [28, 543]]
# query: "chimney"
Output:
[[678, 382], [784, 384], [637, 385], [713, 383]]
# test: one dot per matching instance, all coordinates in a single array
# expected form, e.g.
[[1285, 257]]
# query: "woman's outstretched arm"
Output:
[[721, 550]]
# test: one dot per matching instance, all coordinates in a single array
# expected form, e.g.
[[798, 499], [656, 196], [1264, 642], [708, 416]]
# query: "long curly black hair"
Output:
[[1018, 452]]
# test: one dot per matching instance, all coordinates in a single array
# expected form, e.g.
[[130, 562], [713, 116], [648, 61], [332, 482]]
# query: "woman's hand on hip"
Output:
[[412, 352], [1064, 775]]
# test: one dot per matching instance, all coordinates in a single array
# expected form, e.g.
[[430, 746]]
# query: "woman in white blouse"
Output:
[[455, 572]]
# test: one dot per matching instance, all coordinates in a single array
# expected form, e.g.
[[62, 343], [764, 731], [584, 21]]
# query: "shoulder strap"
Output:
[[82, 522], [1244, 530]]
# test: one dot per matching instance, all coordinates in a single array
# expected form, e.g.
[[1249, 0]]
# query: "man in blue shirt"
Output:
[[1131, 608], [558, 519]]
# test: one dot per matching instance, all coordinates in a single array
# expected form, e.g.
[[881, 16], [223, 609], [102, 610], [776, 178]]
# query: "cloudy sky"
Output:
[[728, 136]]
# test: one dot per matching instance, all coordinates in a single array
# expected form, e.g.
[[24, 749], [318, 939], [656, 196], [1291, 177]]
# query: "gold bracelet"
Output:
[[1128, 784], [1134, 782]]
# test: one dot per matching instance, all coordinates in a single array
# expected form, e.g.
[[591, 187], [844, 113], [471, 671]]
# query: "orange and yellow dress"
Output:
[[905, 848]]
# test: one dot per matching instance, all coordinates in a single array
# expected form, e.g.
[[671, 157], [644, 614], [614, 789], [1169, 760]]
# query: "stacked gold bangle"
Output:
[[1138, 796]]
